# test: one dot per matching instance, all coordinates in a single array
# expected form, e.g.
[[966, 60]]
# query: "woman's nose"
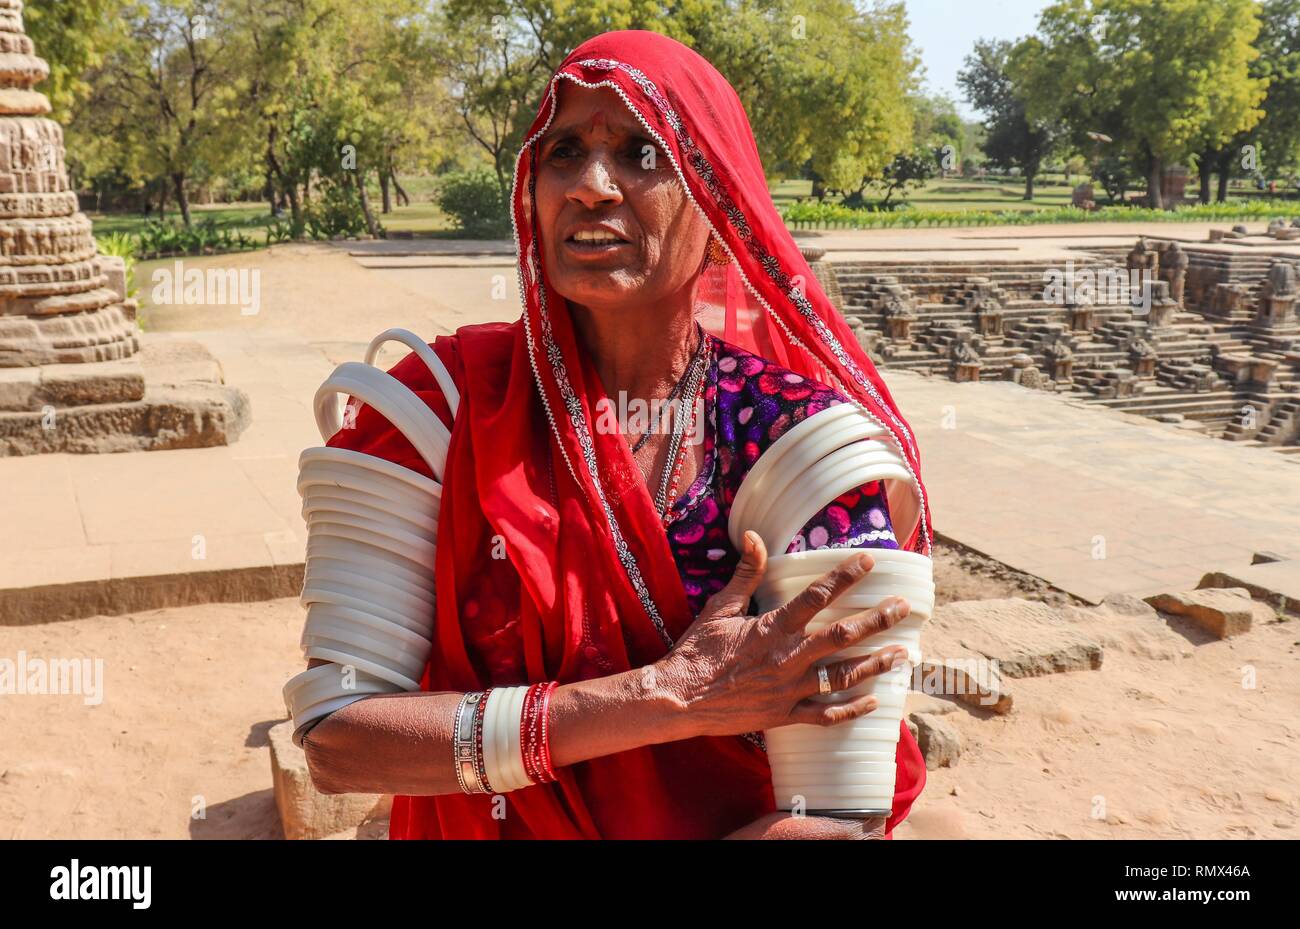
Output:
[[596, 184]]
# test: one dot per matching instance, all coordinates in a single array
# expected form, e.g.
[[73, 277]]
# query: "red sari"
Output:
[[552, 563]]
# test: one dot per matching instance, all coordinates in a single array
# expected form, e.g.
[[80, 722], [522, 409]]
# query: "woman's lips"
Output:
[[587, 249]]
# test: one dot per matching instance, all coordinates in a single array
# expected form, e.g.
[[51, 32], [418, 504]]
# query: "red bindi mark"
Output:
[[598, 120]]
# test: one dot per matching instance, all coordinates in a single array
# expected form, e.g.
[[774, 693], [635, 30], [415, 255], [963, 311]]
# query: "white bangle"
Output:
[[503, 759]]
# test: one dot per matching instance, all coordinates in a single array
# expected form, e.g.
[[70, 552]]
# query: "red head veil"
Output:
[[552, 563]]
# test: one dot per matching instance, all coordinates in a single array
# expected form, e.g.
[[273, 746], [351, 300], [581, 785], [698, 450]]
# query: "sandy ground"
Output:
[[1141, 748], [188, 697]]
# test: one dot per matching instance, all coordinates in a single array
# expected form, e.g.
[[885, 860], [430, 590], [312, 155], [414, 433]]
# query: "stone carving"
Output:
[[1174, 261], [1278, 297], [1161, 309], [966, 361], [71, 379], [985, 303], [1060, 358], [1143, 357], [55, 305], [899, 311], [1281, 279], [1144, 259], [1229, 299]]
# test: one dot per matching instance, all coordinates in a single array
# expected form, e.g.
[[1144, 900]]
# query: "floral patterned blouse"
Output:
[[749, 404]]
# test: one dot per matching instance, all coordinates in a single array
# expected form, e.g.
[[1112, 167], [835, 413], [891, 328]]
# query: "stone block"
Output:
[[1222, 612], [1024, 637], [938, 739], [305, 812]]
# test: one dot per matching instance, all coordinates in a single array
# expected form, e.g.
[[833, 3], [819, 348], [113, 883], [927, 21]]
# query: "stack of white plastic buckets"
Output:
[[849, 768], [372, 529]]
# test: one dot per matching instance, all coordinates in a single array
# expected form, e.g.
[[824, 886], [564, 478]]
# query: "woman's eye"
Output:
[[647, 153], [562, 152]]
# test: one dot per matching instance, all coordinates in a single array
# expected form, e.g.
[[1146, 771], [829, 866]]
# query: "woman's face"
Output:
[[618, 231]]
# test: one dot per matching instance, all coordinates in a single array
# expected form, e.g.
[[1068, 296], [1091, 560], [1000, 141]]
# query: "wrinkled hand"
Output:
[[734, 673]]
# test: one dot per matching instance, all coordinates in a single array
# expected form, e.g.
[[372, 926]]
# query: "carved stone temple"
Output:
[[75, 375], [1211, 342]]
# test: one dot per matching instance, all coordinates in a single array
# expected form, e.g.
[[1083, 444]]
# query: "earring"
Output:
[[715, 253]]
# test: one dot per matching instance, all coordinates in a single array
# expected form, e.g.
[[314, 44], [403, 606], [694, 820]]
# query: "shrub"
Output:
[[475, 201], [337, 212], [121, 245], [838, 216]]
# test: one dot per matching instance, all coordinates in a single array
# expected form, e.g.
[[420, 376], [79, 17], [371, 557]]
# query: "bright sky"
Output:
[[946, 30]]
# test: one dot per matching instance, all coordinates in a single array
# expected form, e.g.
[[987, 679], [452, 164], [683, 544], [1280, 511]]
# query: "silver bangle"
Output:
[[462, 745]]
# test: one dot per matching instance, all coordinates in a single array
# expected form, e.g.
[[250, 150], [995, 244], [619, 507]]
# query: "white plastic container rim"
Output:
[[426, 354], [791, 512], [384, 472], [419, 556], [755, 478], [382, 574], [797, 469], [321, 498], [374, 561], [392, 399], [365, 664]]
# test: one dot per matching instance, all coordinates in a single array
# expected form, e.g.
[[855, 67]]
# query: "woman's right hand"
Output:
[[732, 673]]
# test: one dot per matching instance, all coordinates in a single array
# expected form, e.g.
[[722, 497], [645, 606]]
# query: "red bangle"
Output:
[[547, 771], [535, 733], [528, 733]]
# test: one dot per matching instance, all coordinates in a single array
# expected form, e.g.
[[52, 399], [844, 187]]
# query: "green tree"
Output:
[[164, 99], [73, 38], [1012, 140], [799, 67], [1164, 78]]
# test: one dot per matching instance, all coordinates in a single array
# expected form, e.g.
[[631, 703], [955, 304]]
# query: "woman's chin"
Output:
[[602, 290]]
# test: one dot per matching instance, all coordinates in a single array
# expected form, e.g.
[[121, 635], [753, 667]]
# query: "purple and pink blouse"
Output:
[[749, 403]]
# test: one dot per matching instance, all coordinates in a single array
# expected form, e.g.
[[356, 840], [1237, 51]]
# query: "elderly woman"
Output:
[[594, 563]]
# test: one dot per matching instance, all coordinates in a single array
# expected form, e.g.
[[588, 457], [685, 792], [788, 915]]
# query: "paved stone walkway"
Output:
[[1030, 479], [1092, 500]]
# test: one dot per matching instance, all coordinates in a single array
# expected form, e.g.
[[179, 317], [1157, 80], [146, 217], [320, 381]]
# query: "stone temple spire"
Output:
[[56, 302], [71, 371]]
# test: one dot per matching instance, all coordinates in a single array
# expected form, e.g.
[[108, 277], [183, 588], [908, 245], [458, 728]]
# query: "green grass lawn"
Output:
[[421, 217], [957, 193]]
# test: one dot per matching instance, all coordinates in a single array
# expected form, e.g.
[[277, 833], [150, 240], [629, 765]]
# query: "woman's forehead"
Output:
[[582, 110]]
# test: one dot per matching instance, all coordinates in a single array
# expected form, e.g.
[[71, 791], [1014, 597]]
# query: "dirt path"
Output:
[[1175, 748]]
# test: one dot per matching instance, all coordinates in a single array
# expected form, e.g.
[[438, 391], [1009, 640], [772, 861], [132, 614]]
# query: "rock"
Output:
[[1025, 638], [1168, 417], [939, 740], [1125, 623], [968, 678], [305, 812], [1128, 605], [1276, 583], [918, 702], [1224, 612]]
